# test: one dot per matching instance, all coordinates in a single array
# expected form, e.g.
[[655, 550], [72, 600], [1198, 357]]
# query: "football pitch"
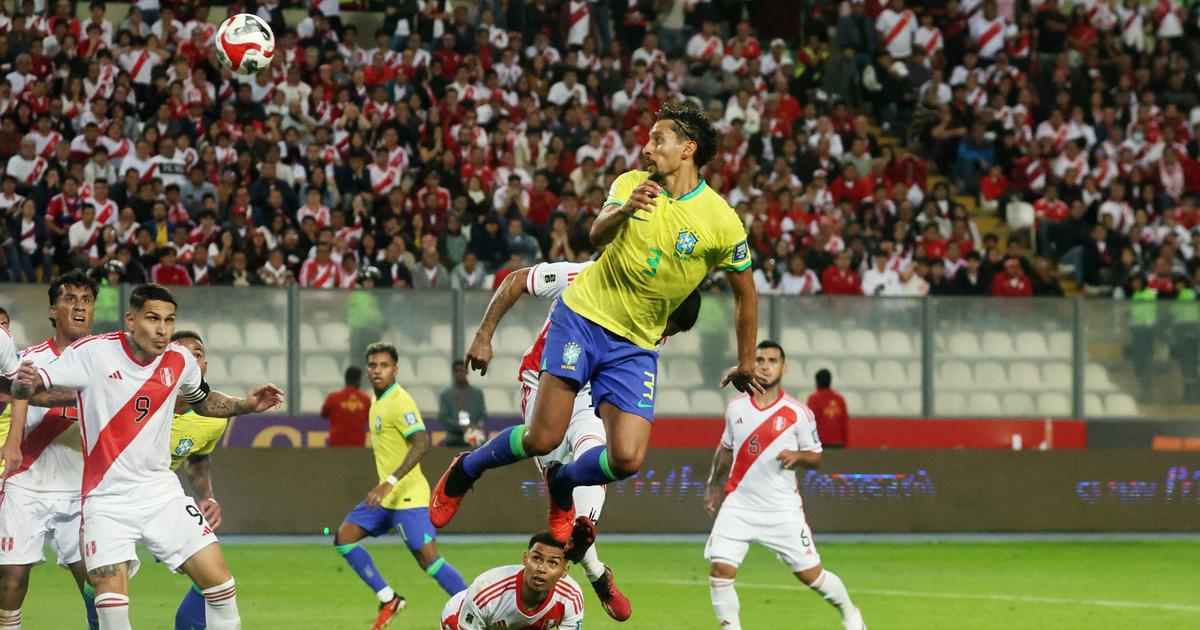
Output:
[[919, 585]]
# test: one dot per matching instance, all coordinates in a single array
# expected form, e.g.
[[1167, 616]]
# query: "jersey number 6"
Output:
[[141, 405], [752, 445]]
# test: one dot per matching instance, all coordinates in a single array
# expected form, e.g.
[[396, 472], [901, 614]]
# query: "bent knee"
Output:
[[722, 571], [538, 443], [625, 464]]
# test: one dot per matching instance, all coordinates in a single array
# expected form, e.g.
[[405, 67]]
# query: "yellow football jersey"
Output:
[[194, 434], [657, 259], [393, 419]]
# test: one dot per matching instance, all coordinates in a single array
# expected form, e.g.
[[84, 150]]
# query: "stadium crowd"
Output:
[[466, 142]]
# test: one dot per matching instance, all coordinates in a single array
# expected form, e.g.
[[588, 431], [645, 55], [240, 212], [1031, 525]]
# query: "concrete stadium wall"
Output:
[[301, 491]]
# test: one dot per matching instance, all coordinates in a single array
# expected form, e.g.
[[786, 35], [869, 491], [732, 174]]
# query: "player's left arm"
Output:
[[215, 404], [744, 376], [479, 355], [412, 429], [808, 443], [199, 473], [714, 492]]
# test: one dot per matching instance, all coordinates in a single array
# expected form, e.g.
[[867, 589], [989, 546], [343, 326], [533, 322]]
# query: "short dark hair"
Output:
[[690, 123], [382, 347], [150, 292], [767, 344], [353, 376], [73, 278], [685, 315], [545, 538], [824, 379], [180, 335]]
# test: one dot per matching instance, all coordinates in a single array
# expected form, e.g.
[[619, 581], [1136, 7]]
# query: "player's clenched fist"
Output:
[[479, 355], [643, 198]]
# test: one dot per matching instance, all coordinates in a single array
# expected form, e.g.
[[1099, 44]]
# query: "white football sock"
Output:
[[725, 602], [589, 502], [10, 619], [830, 586], [220, 607], [592, 567], [385, 594], [113, 610]]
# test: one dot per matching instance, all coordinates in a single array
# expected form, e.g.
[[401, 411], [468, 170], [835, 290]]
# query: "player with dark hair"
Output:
[[126, 384], [586, 430], [663, 230], [193, 439], [41, 503], [537, 593], [769, 436], [401, 500]]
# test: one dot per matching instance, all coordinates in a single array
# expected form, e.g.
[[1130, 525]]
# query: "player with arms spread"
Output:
[[193, 439], [536, 594], [126, 384], [586, 430], [768, 436], [401, 500], [661, 241], [40, 503]]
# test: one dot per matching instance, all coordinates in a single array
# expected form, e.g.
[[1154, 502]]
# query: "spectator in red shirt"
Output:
[[1012, 282], [839, 278], [167, 273], [850, 186], [346, 412], [829, 409], [1048, 211]]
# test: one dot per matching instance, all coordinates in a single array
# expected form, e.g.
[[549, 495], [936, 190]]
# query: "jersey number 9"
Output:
[[141, 405]]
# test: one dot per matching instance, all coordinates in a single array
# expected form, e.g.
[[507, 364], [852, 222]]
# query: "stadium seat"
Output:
[[795, 341], [894, 343], [687, 344], [433, 369], [505, 369], [890, 373], [797, 378], [813, 366], [277, 368], [882, 403], [193, 326], [308, 337], [247, 369], [672, 402], [311, 400], [1092, 406], [1032, 345], [320, 369], [404, 370], [949, 403], [856, 373], [706, 402], [684, 373], [910, 403], [861, 342], [1018, 404], [264, 336], [998, 344], [427, 402], [1120, 405], [442, 338], [513, 340], [217, 372], [1061, 344], [224, 336], [984, 404], [1025, 376], [16, 330], [501, 401], [827, 342], [1095, 378], [1057, 376], [335, 336], [964, 344], [1054, 405], [854, 402], [990, 375], [954, 375]]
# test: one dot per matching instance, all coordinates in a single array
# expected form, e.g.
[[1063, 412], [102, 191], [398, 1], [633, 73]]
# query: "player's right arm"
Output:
[[624, 201], [199, 473], [479, 355], [69, 371], [714, 492]]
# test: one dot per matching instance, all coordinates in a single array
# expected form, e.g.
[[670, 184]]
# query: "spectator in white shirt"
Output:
[[562, 92], [799, 279], [879, 280]]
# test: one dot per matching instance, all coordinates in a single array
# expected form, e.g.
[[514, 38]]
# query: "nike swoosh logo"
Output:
[[637, 218], [642, 405]]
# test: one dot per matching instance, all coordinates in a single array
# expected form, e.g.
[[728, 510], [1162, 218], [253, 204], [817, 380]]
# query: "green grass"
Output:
[[1025, 585]]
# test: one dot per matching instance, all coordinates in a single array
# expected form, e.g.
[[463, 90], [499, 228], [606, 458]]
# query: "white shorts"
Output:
[[172, 529], [450, 611], [786, 533], [585, 431], [28, 523]]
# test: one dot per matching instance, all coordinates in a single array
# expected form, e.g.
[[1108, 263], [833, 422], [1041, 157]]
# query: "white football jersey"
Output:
[[756, 436], [9, 362], [46, 467], [549, 280], [126, 411], [492, 602]]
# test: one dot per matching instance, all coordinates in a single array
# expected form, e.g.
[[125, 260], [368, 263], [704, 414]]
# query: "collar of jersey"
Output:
[[695, 191], [387, 391]]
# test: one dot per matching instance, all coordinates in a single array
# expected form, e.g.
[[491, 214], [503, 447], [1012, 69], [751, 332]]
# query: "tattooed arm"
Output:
[[218, 405]]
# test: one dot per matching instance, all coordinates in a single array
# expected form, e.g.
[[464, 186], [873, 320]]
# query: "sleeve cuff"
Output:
[[742, 267], [411, 431]]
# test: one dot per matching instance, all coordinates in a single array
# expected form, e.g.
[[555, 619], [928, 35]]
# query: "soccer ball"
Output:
[[244, 43]]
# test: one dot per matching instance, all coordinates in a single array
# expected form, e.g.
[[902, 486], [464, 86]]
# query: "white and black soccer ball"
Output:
[[244, 43]]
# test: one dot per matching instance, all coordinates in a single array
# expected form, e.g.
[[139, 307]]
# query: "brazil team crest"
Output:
[[686, 242], [570, 356], [378, 424], [184, 447]]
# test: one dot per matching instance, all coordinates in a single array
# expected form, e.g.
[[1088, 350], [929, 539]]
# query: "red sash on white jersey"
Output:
[[898, 28], [757, 442], [934, 42], [137, 65], [995, 29], [39, 165]]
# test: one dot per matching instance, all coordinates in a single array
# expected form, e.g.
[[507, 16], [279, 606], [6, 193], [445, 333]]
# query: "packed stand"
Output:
[[464, 144]]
